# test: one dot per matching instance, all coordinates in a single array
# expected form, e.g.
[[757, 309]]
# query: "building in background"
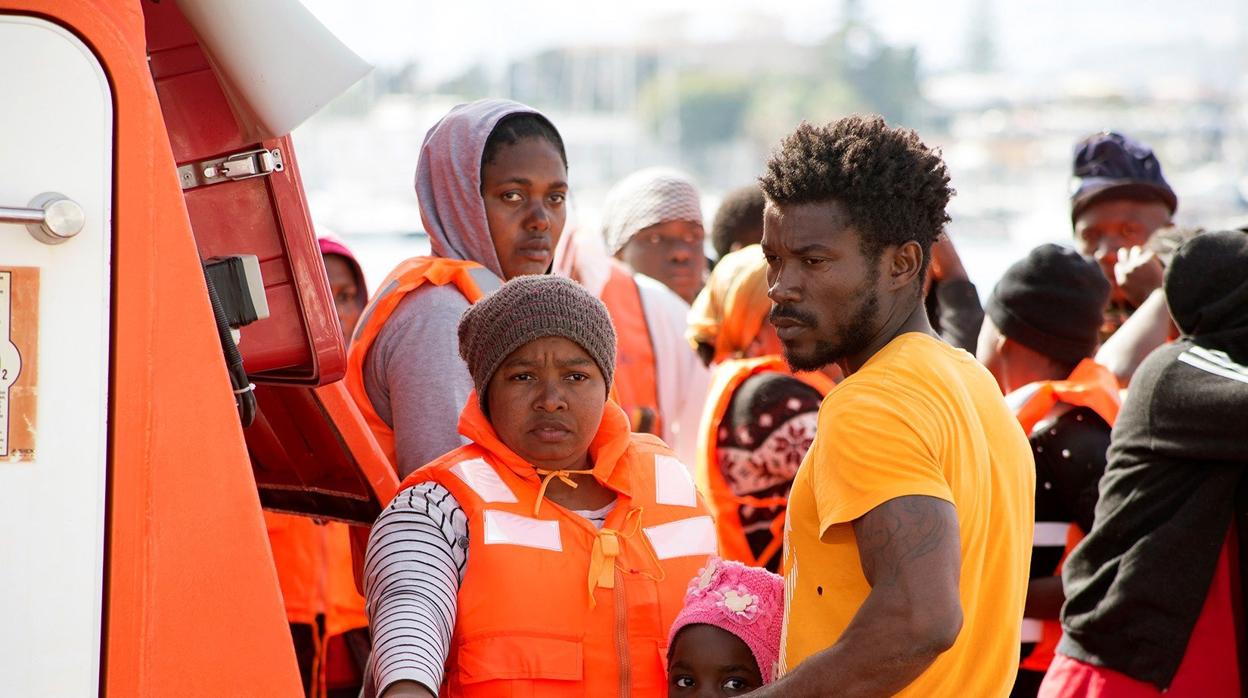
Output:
[[715, 107]]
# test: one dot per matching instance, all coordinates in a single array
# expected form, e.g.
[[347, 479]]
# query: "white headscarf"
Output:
[[645, 198]]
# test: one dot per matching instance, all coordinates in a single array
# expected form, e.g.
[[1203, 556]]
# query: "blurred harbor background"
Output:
[[1005, 89]]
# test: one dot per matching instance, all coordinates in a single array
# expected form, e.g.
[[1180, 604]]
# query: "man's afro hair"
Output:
[[894, 188]]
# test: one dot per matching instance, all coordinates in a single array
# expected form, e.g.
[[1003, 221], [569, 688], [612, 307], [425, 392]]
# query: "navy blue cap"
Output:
[[1109, 165]]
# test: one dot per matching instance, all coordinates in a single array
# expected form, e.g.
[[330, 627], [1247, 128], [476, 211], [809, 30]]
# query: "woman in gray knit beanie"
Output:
[[528, 308], [514, 550], [541, 351]]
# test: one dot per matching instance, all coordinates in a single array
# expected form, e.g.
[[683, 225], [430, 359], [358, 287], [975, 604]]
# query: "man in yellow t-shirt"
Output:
[[908, 536]]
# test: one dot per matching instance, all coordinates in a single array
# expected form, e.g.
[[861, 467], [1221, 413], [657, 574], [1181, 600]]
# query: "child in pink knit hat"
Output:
[[727, 637]]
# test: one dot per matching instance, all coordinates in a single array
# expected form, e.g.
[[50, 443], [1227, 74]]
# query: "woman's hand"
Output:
[[408, 689]]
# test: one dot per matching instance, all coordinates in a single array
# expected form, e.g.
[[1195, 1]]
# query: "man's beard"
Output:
[[855, 335]]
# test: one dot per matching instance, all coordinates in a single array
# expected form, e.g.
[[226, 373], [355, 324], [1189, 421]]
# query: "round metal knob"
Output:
[[52, 218], [63, 218]]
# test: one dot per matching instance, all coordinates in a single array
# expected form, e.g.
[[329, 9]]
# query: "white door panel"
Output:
[[56, 135]]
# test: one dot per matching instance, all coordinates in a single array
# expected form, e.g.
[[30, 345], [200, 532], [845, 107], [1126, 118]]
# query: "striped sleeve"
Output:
[[412, 572]]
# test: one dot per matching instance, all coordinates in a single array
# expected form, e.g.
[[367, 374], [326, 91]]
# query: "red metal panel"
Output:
[[309, 448], [310, 455], [266, 216]]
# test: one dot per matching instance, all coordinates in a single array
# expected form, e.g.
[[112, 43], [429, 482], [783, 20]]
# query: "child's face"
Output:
[[708, 661]]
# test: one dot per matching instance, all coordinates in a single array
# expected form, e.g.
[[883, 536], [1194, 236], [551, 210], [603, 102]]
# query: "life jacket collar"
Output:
[[605, 450]]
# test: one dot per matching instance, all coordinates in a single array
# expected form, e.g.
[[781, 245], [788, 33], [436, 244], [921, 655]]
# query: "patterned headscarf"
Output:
[[645, 198], [730, 310]]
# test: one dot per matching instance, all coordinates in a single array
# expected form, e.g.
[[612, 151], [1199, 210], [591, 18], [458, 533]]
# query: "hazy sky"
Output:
[[1032, 37]]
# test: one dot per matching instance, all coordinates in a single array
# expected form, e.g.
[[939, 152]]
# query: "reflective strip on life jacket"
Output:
[[673, 485], [729, 375], [407, 277], [566, 641], [693, 536], [636, 378], [485, 483], [1050, 534], [505, 528], [1092, 386], [1050, 634]]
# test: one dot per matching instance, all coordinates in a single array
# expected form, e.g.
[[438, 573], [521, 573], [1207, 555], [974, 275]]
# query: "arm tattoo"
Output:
[[899, 532]]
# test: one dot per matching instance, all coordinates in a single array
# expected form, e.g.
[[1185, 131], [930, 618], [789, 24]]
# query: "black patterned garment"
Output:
[[765, 433]]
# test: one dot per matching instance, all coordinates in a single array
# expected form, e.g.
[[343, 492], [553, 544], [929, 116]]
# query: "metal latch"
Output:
[[244, 165]]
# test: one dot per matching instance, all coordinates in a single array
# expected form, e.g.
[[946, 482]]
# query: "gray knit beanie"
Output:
[[528, 308]]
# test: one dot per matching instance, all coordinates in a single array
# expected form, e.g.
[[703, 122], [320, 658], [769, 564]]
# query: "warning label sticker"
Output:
[[19, 352]]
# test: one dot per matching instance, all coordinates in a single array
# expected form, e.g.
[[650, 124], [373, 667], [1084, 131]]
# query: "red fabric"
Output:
[[1210, 667], [340, 668]]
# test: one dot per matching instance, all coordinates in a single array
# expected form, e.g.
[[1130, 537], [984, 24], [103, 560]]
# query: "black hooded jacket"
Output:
[[1175, 480]]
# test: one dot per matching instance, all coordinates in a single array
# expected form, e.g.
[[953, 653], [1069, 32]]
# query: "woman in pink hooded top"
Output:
[[313, 559]]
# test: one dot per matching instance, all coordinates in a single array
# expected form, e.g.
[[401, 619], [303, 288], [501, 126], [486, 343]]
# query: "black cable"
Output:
[[244, 390]]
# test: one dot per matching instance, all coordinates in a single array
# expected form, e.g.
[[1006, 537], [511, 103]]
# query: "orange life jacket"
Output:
[[550, 605], [314, 570], [1092, 386], [636, 383], [299, 555], [410, 275], [729, 375]]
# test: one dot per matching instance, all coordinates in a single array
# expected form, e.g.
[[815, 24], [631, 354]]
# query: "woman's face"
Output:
[[349, 298], [525, 188], [546, 402]]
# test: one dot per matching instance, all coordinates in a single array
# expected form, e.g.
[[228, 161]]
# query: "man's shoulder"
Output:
[[1159, 361], [1186, 382], [1178, 368], [908, 366], [916, 354]]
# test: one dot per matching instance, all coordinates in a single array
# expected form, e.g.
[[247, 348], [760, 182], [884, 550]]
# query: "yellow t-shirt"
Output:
[[920, 418]]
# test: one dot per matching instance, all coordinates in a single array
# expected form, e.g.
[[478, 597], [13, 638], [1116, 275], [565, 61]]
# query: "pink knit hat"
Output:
[[746, 601]]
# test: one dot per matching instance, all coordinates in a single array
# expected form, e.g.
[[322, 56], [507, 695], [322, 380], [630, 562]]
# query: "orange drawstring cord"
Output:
[[606, 544], [564, 476], [607, 548]]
